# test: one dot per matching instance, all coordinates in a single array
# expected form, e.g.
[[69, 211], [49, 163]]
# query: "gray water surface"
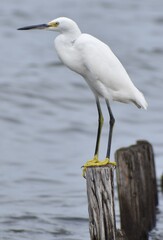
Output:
[[48, 116]]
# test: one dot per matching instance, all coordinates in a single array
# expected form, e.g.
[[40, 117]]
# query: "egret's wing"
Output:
[[101, 63], [104, 73]]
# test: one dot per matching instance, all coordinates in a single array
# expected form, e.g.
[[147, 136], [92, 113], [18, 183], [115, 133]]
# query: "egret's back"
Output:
[[104, 72]]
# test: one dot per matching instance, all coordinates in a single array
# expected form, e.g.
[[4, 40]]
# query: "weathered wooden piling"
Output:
[[136, 181], [100, 192], [120, 235], [161, 183]]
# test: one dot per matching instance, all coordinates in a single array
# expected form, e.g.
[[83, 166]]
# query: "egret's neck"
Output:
[[66, 50], [72, 34]]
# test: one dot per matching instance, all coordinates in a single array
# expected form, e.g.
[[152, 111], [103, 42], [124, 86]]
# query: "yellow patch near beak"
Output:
[[53, 24]]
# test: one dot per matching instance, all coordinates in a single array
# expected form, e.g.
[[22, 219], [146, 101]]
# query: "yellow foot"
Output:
[[96, 163]]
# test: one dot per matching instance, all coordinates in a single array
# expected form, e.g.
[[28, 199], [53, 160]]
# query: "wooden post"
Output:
[[136, 180], [162, 183], [120, 235], [100, 192]]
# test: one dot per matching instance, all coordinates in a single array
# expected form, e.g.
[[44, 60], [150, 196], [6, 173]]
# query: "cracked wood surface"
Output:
[[100, 192]]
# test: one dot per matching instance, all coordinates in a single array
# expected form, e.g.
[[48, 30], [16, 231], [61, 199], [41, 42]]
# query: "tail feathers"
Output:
[[140, 101]]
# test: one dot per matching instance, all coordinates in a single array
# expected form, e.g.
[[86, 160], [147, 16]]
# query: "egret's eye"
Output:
[[56, 24]]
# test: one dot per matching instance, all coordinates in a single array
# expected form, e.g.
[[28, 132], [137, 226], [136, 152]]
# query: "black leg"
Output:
[[112, 121], [100, 124]]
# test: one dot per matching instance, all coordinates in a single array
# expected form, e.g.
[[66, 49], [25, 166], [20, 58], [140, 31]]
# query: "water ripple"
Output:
[[48, 116]]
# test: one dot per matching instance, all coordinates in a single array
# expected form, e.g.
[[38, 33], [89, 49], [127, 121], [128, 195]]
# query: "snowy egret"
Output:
[[101, 69]]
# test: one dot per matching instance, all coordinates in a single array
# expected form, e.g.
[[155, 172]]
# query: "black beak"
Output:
[[40, 26]]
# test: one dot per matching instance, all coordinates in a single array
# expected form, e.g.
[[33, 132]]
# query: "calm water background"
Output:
[[48, 116]]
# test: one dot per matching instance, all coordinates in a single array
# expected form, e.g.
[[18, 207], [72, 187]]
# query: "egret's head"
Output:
[[61, 24]]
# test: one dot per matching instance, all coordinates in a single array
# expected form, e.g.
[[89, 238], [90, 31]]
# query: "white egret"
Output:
[[101, 69]]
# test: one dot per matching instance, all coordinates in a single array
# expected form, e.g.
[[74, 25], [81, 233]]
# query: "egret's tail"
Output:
[[140, 100]]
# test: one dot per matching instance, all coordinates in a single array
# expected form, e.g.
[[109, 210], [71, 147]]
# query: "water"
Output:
[[48, 116]]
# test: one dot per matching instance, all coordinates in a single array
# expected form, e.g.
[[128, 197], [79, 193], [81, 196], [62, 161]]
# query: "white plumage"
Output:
[[101, 69]]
